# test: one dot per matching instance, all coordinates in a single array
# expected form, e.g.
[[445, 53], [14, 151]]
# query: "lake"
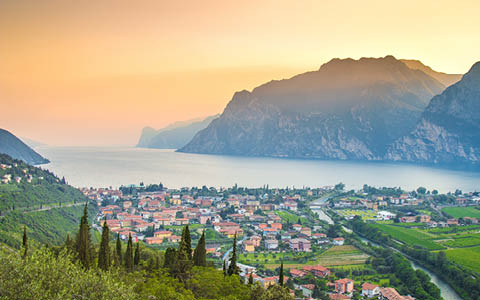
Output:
[[108, 166]]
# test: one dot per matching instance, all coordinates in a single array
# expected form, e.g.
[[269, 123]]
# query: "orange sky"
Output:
[[96, 72]]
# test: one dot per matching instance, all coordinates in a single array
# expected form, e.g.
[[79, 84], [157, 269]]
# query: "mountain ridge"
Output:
[[14, 147], [347, 109]]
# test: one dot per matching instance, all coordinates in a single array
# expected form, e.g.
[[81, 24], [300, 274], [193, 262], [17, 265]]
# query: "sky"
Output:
[[94, 73]]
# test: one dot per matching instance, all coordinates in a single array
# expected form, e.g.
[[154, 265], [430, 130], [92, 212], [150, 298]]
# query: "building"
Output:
[[249, 246], [392, 294], [338, 241], [370, 290], [162, 234], [271, 244], [318, 271], [300, 245], [344, 286]]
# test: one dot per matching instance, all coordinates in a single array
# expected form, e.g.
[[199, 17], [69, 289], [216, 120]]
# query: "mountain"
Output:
[[32, 143], [444, 78], [348, 109], [173, 136], [13, 146], [449, 129]]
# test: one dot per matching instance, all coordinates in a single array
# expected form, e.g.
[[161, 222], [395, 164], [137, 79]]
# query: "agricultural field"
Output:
[[289, 217], [467, 257], [461, 212], [344, 256], [364, 214], [411, 236]]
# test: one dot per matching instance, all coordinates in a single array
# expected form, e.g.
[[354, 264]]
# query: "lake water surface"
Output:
[[103, 167]]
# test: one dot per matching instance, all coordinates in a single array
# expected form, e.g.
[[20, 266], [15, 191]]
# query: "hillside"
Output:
[[37, 199], [449, 129], [173, 136], [14, 147], [348, 109]]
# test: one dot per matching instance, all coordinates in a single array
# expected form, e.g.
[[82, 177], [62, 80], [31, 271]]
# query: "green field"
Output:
[[289, 217], [461, 212], [460, 241], [410, 236], [467, 257], [364, 214]]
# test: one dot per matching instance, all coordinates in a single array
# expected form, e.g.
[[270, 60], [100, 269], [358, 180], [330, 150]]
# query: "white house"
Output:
[[370, 290]]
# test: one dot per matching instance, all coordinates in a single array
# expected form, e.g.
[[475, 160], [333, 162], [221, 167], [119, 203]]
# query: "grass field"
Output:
[[461, 212], [344, 256], [467, 257], [413, 237], [364, 214], [289, 217], [461, 241]]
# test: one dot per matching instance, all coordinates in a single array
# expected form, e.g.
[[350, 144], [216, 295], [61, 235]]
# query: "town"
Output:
[[306, 230]]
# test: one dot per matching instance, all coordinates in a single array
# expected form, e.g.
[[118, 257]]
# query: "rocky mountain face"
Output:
[[14, 147], [449, 129], [173, 136], [348, 109]]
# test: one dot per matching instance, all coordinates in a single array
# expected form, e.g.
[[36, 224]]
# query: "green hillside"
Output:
[[37, 199]]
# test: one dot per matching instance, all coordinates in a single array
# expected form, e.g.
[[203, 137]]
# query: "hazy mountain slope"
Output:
[[173, 136], [348, 109], [449, 130], [13, 146], [444, 78]]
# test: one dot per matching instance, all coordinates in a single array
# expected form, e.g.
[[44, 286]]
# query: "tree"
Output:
[[280, 277], [119, 249], [136, 257], [421, 190], [169, 261], [232, 266], [129, 255], [104, 259], [183, 259], [25, 242], [224, 268], [83, 242], [250, 278], [187, 240], [200, 253]]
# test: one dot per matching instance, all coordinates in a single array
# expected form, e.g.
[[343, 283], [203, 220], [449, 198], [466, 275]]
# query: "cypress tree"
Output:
[[157, 262], [250, 278], [187, 241], [25, 242], [104, 259], [183, 259], [115, 261], [136, 257], [129, 255], [280, 277], [200, 253], [119, 249], [224, 268], [169, 262], [83, 242], [232, 266]]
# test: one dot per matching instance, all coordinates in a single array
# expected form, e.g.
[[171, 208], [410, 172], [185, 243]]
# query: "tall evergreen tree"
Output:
[[250, 278], [232, 266], [104, 258], [115, 261], [224, 268], [119, 249], [200, 253], [187, 240], [280, 277], [169, 262], [83, 241], [25, 242], [129, 255], [183, 259], [136, 257]]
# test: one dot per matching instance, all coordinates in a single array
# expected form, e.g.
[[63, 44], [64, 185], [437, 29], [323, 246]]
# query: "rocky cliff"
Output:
[[449, 129], [348, 109]]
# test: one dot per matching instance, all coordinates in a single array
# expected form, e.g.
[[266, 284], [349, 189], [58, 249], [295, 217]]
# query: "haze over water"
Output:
[[104, 167]]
